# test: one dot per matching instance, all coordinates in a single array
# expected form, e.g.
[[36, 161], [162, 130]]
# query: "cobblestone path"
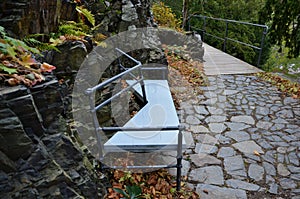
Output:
[[244, 140]]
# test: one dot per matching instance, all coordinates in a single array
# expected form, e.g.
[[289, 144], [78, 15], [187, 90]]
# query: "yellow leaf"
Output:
[[256, 153]]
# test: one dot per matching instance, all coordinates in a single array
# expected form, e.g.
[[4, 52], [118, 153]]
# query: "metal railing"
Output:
[[94, 108], [226, 38], [91, 93]]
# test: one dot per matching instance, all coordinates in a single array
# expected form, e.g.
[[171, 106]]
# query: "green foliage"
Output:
[[32, 40], [240, 10], [7, 69], [132, 192], [280, 62], [11, 46], [86, 13], [73, 28], [283, 17], [164, 16]]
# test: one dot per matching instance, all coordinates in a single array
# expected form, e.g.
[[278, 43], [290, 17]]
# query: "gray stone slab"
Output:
[[244, 119], [215, 192], [191, 119], [235, 126], [199, 129], [208, 175], [201, 110], [264, 125], [256, 172], [226, 152], [206, 139], [248, 147], [204, 160], [282, 170], [235, 166], [287, 183], [239, 184], [189, 139], [205, 148], [217, 127], [269, 168], [238, 135], [215, 119]]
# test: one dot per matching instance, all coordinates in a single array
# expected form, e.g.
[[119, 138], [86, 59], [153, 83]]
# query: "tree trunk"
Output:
[[185, 9]]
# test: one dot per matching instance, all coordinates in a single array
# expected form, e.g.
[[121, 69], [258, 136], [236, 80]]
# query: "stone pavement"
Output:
[[244, 140]]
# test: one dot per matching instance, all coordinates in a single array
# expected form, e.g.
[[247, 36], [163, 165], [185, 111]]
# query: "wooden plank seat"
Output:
[[159, 112]]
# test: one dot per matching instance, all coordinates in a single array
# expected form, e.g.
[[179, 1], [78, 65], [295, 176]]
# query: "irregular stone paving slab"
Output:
[[226, 152], [214, 192], [269, 168], [244, 119], [235, 166], [217, 127], [201, 110], [282, 170], [239, 184], [248, 147], [215, 119], [205, 148], [208, 175], [206, 139], [287, 183], [236, 126], [238, 135], [192, 120], [273, 188], [256, 172], [199, 129], [264, 125], [189, 139], [204, 159]]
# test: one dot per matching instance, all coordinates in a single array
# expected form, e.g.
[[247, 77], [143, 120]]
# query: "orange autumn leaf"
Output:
[[45, 67]]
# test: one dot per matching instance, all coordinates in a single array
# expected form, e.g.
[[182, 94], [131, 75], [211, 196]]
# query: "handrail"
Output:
[[225, 38], [108, 81], [91, 91]]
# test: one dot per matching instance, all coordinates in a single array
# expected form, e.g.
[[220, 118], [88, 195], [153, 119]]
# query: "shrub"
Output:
[[164, 16]]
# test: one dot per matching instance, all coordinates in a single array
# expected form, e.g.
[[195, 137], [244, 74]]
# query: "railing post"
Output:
[[226, 35], [204, 27], [179, 158], [265, 31]]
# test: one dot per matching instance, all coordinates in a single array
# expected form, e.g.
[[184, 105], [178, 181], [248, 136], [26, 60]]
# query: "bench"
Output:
[[155, 127]]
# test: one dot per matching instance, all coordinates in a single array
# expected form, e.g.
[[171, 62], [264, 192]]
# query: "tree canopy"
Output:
[[284, 19]]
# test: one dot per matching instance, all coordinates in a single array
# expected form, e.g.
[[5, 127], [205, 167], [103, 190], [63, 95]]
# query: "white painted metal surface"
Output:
[[158, 112]]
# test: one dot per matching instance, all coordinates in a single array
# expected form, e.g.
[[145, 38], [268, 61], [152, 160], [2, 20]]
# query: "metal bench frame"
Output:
[[94, 108]]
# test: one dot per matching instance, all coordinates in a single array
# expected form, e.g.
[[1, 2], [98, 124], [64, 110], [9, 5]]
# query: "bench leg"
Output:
[[178, 177]]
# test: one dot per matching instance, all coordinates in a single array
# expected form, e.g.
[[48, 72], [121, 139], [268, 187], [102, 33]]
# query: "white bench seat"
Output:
[[158, 112]]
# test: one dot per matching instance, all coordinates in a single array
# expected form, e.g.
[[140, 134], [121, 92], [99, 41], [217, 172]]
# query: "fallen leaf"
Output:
[[256, 153], [45, 67], [13, 81], [205, 191]]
